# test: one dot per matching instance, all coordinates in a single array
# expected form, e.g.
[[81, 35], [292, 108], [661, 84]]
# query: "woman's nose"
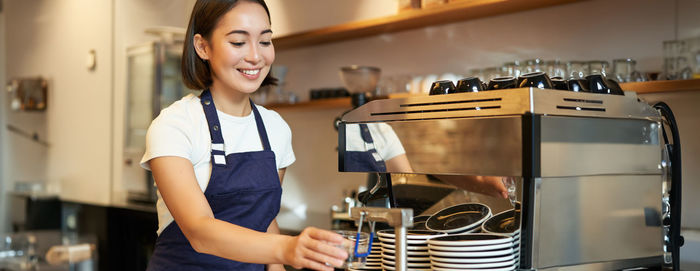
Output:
[[253, 54]]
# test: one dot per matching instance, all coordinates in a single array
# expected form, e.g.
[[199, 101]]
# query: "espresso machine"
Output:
[[592, 171]]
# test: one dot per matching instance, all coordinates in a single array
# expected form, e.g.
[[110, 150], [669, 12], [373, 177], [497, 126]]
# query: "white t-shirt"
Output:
[[385, 140], [181, 130]]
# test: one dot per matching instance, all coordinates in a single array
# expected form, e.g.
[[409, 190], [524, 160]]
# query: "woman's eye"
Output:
[[238, 44], [266, 43]]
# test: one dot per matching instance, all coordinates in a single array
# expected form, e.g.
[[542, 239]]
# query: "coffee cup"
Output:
[[577, 85], [442, 87], [470, 84], [559, 83], [502, 83], [534, 80]]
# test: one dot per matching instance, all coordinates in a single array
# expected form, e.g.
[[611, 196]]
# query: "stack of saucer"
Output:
[[416, 245], [473, 251], [506, 223], [461, 218]]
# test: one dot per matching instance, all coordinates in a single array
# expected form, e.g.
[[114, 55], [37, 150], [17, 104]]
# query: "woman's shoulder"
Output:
[[188, 108], [274, 121], [269, 115]]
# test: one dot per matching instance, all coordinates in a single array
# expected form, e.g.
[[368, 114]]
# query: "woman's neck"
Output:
[[229, 101]]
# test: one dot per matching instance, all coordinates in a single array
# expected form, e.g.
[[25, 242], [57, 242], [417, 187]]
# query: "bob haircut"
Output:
[[196, 73]]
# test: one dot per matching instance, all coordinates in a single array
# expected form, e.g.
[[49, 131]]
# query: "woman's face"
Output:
[[239, 50]]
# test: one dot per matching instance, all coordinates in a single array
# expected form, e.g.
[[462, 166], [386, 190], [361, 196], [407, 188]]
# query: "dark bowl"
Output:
[[442, 87], [578, 85], [506, 222], [502, 83], [459, 218], [470, 84], [535, 80], [419, 222]]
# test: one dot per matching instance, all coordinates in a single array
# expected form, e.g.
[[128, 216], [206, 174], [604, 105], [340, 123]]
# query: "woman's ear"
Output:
[[201, 46]]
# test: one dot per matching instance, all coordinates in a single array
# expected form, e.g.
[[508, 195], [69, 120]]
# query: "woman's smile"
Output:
[[251, 74]]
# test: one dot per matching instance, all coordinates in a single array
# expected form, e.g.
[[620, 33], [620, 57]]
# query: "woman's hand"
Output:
[[487, 185], [314, 248], [275, 267]]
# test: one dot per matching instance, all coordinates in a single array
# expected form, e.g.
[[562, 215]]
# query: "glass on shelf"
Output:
[[676, 64], [555, 68], [599, 67], [534, 65], [491, 73], [477, 72], [393, 84], [624, 70], [512, 69], [577, 70]]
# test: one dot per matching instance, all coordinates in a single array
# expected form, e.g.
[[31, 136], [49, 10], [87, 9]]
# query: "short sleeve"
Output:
[[286, 154], [169, 135], [392, 146]]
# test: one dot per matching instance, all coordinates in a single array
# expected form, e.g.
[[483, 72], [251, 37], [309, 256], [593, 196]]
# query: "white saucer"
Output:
[[408, 241], [379, 267], [392, 268], [470, 248], [410, 259], [509, 268], [409, 253], [507, 251], [419, 248], [410, 234], [410, 264], [470, 239], [473, 260], [474, 265]]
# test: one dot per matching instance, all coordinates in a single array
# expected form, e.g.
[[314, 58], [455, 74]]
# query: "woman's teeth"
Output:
[[250, 72]]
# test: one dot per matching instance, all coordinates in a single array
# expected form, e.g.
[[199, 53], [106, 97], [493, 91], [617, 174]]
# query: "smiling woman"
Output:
[[217, 168]]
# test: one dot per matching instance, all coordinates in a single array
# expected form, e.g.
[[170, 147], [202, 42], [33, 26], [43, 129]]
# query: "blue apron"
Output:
[[364, 161], [244, 189]]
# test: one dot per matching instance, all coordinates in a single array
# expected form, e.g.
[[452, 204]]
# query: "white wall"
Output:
[[52, 39], [4, 208], [302, 15], [313, 181], [132, 17], [685, 109], [561, 32], [620, 28], [85, 117]]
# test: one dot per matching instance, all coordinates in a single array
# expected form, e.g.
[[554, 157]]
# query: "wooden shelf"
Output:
[[412, 19], [662, 86], [330, 103], [639, 87]]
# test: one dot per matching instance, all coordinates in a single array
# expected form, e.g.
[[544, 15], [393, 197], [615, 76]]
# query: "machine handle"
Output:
[[673, 224]]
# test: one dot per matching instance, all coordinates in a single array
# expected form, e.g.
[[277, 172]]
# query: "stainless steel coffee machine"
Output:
[[592, 170]]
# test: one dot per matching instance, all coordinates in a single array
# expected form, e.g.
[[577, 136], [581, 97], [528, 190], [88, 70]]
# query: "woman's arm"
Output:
[[274, 228], [186, 202], [399, 164]]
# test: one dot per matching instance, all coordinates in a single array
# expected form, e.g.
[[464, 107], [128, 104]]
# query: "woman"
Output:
[[218, 160]]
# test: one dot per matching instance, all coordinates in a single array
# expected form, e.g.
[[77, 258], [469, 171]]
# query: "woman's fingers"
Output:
[[311, 264], [324, 235], [317, 249], [323, 258], [326, 242]]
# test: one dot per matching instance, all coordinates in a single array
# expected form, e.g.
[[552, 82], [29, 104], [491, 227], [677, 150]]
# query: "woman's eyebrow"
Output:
[[246, 32]]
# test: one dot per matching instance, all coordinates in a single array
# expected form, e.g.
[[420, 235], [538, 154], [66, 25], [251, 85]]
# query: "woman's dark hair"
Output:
[[196, 73]]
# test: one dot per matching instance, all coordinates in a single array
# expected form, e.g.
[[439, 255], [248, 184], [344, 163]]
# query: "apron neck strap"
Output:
[[366, 135], [215, 127]]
